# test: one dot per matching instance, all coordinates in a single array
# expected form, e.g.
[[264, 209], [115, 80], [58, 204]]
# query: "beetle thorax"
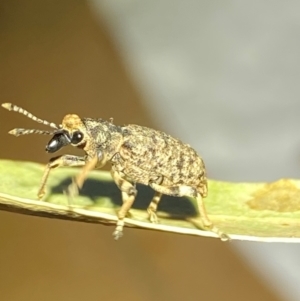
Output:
[[103, 136]]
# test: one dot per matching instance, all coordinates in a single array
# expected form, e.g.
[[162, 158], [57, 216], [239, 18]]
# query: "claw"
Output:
[[73, 189], [41, 194], [117, 234], [152, 216]]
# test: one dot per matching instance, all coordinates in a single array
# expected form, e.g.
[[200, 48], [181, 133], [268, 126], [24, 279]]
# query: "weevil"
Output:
[[137, 155]]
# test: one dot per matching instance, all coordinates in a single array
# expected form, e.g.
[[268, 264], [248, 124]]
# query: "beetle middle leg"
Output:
[[78, 181], [152, 208], [97, 161], [129, 193], [183, 190]]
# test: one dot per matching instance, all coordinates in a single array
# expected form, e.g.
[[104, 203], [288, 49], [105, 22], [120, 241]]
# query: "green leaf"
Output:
[[245, 211]]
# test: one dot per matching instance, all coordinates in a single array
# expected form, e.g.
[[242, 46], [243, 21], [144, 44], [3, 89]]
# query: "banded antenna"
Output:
[[12, 107], [18, 131]]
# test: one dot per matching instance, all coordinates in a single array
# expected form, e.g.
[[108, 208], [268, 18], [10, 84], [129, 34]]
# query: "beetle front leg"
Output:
[[129, 193], [65, 160]]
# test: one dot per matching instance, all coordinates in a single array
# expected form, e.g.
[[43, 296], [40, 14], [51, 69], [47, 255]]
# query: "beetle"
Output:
[[137, 155]]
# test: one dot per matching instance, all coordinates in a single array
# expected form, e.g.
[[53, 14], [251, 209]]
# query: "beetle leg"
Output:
[[96, 162], [183, 190], [153, 207], [65, 160], [129, 193], [78, 181]]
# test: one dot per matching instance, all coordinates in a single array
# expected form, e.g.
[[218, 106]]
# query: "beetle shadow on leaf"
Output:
[[175, 207]]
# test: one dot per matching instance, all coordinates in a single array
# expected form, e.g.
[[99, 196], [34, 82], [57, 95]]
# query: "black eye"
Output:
[[77, 137]]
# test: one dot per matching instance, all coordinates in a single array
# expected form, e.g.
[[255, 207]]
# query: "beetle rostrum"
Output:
[[59, 140]]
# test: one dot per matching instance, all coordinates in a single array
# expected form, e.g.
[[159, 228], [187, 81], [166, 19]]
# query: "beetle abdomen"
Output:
[[157, 153]]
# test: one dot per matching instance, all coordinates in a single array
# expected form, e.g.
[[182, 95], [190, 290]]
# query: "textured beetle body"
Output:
[[137, 154], [149, 155], [144, 154]]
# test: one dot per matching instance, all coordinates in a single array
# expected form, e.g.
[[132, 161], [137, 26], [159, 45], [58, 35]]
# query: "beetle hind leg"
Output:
[[184, 190], [207, 223]]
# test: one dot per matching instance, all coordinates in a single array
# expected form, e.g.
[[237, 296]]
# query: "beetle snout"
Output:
[[58, 141]]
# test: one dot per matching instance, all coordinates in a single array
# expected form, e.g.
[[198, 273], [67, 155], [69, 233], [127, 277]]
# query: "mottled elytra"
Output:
[[137, 155]]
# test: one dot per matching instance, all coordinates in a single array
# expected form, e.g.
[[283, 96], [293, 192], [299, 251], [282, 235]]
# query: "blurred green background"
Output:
[[55, 59]]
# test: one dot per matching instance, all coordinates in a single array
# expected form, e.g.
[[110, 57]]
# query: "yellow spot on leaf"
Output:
[[281, 196]]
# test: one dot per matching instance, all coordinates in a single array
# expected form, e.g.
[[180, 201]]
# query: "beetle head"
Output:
[[71, 131]]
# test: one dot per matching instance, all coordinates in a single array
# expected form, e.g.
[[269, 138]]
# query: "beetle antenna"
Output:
[[18, 132], [12, 107]]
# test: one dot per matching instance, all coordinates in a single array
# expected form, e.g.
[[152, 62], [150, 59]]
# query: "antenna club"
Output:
[[14, 132], [8, 106]]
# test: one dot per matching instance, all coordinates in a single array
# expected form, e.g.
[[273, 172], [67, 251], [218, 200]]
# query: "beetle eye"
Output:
[[77, 137]]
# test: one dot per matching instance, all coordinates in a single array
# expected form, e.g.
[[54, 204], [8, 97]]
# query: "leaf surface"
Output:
[[267, 212]]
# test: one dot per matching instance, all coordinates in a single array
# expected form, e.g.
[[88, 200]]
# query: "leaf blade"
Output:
[[246, 211]]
